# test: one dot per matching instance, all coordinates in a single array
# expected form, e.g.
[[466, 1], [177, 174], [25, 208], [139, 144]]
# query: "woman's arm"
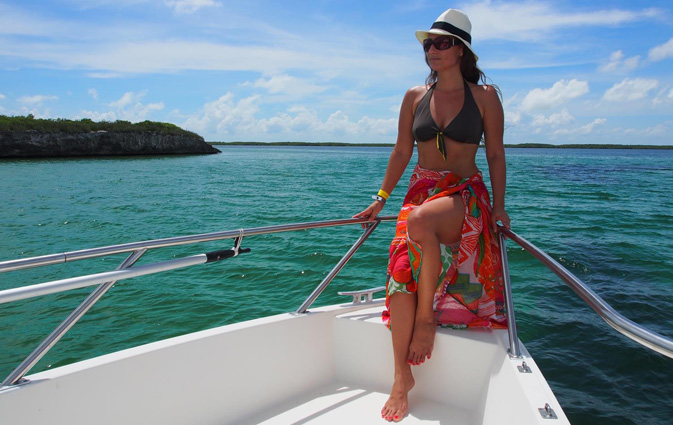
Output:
[[401, 154], [495, 154]]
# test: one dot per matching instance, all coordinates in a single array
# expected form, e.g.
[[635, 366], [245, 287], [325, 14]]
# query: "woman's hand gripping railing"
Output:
[[636, 332]]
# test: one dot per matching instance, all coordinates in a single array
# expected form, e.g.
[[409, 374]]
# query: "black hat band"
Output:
[[453, 30]]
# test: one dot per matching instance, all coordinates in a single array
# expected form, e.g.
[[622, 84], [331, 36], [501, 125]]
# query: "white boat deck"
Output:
[[331, 366], [342, 404]]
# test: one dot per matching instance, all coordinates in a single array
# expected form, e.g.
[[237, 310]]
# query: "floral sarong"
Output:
[[470, 286]]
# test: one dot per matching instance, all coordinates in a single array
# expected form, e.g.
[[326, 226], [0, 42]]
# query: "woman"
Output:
[[444, 266]]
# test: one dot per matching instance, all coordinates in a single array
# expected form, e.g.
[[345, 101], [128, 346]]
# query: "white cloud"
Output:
[[190, 6], [2, 96], [297, 119], [170, 56], [35, 110], [664, 51], [658, 130], [224, 116], [127, 98], [114, 50], [339, 123], [219, 39], [553, 120], [93, 93], [585, 129], [140, 112], [512, 114], [228, 119], [99, 116], [619, 63], [38, 99], [630, 89], [512, 117], [288, 85], [129, 108], [17, 22], [396, 108], [105, 75], [302, 122], [664, 96], [378, 126], [561, 92], [527, 20]]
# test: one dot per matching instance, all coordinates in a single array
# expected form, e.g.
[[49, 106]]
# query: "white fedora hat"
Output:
[[452, 22]]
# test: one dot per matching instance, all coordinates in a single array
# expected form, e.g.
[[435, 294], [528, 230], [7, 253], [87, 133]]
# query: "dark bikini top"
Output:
[[466, 127]]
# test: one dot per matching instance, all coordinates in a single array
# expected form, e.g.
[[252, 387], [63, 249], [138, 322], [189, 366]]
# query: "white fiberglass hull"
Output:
[[332, 365]]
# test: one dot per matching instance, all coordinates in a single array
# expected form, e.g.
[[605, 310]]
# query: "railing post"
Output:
[[514, 349], [318, 290], [21, 370], [137, 249], [636, 332]]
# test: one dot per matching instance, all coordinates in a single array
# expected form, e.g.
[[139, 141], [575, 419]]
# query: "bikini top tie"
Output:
[[466, 127]]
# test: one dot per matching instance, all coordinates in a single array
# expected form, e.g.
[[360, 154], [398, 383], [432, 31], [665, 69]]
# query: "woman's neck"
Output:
[[450, 80]]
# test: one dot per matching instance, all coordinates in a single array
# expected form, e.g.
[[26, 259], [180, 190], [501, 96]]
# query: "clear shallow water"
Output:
[[605, 214]]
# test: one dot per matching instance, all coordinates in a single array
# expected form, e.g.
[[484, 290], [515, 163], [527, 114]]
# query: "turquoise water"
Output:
[[605, 214]]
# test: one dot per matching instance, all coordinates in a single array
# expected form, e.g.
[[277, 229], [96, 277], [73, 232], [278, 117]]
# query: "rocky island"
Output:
[[26, 137]]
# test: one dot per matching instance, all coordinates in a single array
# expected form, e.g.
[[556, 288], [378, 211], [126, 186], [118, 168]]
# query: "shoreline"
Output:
[[388, 145], [30, 137]]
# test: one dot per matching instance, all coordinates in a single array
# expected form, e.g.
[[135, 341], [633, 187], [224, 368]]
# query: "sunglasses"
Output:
[[441, 43]]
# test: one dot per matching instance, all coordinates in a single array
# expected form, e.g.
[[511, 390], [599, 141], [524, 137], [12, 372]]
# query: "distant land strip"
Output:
[[85, 125], [521, 145], [30, 137]]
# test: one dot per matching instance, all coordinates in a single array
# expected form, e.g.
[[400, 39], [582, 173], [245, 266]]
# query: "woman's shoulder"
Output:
[[413, 96], [417, 91], [485, 93]]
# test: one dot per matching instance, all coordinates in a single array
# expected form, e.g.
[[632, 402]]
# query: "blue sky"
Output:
[[570, 71]]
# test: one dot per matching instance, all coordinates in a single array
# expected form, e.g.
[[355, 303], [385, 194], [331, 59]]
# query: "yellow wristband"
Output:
[[385, 195]]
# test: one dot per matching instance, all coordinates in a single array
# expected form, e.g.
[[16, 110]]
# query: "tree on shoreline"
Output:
[[85, 125]]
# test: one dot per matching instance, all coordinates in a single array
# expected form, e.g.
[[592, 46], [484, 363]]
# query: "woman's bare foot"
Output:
[[397, 405], [422, 341]]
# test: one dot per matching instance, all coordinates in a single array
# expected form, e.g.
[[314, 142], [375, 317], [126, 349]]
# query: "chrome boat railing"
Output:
[[629, 328], [44, 260], [126, 270]]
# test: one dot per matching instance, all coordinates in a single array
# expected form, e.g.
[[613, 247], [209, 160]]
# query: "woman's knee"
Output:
[[419, 224], [441, 220]]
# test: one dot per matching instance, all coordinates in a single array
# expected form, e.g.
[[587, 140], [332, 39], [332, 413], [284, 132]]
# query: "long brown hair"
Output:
[[468, 68]]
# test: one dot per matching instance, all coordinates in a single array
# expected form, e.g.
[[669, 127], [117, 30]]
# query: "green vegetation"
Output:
[[60, 125]]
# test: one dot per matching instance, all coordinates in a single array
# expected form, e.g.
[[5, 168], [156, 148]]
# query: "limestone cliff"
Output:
[[31, 143]]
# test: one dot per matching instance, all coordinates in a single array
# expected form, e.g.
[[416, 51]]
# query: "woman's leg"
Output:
[[438, 221], [402, 315]]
